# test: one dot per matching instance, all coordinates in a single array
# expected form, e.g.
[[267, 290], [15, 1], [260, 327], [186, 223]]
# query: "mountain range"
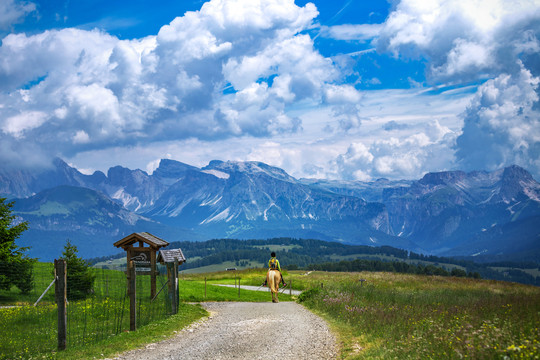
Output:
[[449, 213]]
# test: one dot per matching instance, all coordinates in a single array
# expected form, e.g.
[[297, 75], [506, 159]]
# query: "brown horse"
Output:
[[273, 277]]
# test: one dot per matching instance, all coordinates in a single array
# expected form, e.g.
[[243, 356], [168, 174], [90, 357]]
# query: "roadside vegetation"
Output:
[[402, 316]]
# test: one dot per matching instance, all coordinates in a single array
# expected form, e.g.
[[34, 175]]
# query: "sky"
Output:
[[334, 89]]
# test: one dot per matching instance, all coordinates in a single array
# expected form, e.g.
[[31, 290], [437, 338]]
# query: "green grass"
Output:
[[193, 291], [192, 286], [104, 313], [43, 276], [221, 267], [397, 316], [154, 332], [97, 326]]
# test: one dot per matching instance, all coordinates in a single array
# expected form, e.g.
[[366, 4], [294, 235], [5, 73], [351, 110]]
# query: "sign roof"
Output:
[[145, 237], [169, 256]]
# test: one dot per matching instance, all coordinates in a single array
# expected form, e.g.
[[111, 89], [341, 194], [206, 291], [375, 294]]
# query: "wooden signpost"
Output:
[[142, 260], [143, 255]]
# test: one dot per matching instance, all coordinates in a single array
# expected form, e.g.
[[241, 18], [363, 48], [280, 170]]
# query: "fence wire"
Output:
[[94, 312]]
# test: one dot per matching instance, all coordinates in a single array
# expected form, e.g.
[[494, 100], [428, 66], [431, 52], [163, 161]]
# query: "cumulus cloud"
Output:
[[96, 90], [502, 124], [465, 41], [13, 12], [17, 125], [462, 39], [405, 156]]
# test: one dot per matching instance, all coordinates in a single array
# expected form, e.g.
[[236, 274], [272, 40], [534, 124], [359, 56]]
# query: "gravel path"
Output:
[[241, 330]]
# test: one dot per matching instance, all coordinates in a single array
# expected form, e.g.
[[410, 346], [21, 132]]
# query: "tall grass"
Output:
[[393, 316]]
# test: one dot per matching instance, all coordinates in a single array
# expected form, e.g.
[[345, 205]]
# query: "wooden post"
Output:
[[172, 287], [132, 291], [61, 297], [153, 273], [290, 287], [177, 288]]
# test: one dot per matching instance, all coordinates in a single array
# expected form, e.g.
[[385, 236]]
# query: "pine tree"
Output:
[[80, 279], [16, 268]]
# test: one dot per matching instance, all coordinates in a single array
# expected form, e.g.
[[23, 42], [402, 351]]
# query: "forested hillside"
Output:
[[332, 256]]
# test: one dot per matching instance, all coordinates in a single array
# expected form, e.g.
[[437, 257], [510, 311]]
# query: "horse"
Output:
[[273, 277]]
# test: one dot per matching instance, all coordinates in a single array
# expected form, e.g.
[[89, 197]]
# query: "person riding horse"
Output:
[[273, 264]]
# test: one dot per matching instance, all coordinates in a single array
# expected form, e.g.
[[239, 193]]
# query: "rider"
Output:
[[273, 264]]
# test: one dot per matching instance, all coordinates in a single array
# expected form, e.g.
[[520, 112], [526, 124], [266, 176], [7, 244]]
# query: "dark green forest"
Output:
[[307, 254]]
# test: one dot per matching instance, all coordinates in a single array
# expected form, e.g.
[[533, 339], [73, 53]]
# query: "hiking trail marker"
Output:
[[143, 255]]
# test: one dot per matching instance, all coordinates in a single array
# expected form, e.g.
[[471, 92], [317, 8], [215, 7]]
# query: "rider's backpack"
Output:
[[273, 263]]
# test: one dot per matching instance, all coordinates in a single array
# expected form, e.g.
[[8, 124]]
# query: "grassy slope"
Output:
[[410, 317]]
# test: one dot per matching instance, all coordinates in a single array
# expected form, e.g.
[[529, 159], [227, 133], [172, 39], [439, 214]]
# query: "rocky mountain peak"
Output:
[[249, 167], [119, 175], [516, 180], [170, 171], [443, 178]]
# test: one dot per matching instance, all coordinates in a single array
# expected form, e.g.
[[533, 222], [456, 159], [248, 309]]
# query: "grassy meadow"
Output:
[[386, 316], [398, 316]]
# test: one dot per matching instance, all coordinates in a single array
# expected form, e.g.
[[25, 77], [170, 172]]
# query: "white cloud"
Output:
[[405, 154], [81, 137], [342, 94], [358, 32], [502, 125], [13, 11], [422, 124], [101, 91], [240, 79], [17, 125], [476, 40], [462, 38]]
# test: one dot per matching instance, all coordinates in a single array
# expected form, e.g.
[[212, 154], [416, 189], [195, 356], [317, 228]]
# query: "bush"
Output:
[[308, 294]]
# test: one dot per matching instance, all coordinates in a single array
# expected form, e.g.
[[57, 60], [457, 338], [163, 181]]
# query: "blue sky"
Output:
[[352, 89]]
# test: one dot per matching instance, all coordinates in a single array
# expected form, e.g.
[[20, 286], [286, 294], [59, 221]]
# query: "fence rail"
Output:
[[104, 310]]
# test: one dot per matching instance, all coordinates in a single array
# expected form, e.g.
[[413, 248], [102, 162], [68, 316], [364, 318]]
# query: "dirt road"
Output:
[[237, 330]]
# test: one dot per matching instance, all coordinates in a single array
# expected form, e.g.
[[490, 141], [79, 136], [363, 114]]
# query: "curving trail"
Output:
[[237, 330]]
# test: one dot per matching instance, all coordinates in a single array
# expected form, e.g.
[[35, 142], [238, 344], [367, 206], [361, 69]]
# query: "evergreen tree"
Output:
[[16, 268], [80, 279]]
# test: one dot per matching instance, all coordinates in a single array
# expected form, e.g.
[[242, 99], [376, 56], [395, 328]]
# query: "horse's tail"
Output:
[[274, 277]]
